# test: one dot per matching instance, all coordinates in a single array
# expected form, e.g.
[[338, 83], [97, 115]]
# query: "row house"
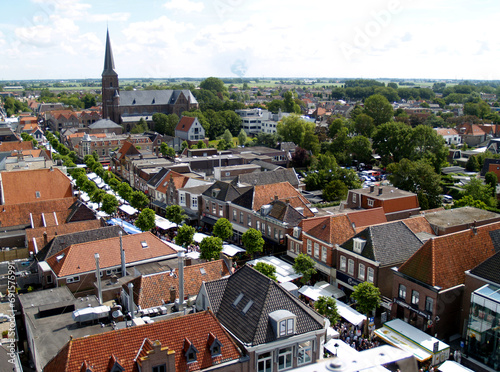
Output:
[[371, 254], [428, 288], [274, 209], [190, 129], [472, 134], [190, 199], [396, 203], [450, 135], [214, 201], [59, 120], [143, 170], [130, 149]]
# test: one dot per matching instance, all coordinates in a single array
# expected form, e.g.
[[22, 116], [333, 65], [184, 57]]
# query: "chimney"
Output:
[[181, 256], [172, 294], [372, 188], [276, 197], [131, 300], [380, 190], [45, 239], [98, 274], [122, 255]]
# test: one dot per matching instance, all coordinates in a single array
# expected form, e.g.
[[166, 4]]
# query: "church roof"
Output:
[[104, 123], [154, 97], [109, 63]]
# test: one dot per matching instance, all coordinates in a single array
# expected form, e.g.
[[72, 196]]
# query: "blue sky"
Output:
[[64, 39]]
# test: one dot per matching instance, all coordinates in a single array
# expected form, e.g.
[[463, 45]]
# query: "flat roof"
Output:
[[459, 216], [388, 192]]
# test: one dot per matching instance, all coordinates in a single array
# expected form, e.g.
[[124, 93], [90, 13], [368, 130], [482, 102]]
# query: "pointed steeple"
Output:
[[109, 63]]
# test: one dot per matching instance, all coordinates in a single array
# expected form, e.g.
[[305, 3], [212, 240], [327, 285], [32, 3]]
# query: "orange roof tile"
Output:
[[128, 343], [330, 229], [15, 145], [264, 194], [367, 217], [185, 123], [178, 179], [419, 224], [154, 290], [79, 258], [33, 185], [443, 260]]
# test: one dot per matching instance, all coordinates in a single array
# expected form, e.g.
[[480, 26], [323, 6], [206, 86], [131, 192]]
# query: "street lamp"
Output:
[[336, 347]]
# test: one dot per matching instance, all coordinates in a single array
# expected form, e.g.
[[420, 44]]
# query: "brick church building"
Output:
[[128, 107]]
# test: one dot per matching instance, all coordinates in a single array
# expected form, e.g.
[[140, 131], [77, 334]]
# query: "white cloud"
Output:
[[113, 17], [185, 6]]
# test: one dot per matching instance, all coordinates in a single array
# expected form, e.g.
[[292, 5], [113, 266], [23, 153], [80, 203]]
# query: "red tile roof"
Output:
[[367, 217], [443, 260], [79, 258], [154, 290], [331, 229], [34, 185], [128, 345], [15, 145], [419, 224], [264, 194], [178, 179], [185, 123]]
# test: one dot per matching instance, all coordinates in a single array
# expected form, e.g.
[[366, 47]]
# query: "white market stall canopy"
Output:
[[128, 209], [451, 366], [198, 237], [419, 343], [336, 292], [193, 255], [92, 176], [163, 223], [231, 250], [284, 271], [350, 314]]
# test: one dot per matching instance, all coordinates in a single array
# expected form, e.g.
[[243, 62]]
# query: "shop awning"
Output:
[[198, 237], [406, 337], [209, 220], [163, 223], [284, 271], [336, 292], [350, 314], [128, 209], [451, 366], [232, 250], [159, 204], [128, 227]]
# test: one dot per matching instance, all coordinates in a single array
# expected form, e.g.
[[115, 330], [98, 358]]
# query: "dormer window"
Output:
[[190, 351], [214, 345], [358, 245], [283, 323]]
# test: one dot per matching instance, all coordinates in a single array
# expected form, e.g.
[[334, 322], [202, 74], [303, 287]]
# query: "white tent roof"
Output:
[[163, 223], [198, 237], [231, 250], [336, 292], [451, 366], [128, 209], [350, 314], [91, 176], [193, 255], [284, 271]]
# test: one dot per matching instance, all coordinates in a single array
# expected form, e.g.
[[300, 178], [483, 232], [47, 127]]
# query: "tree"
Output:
[[138, 199], [300, 158], [228, 137], [469, 201], [166, 150], [299, 131], [213, 84], [491, 179], [304, 265], [367, 298], [361, 149], [140, 127], [165, 124], [266, 269], [363, 125], [174, 213], [146, 220], [391, 142], [252, 241], [335, 190], [184, 144], [109, 204], [210, 248], [223, 229], [185, 235], [480, 191], [327, 306], [125, 191], [97, 196], [472, 165], [242, 138], [201, 145], [379, 109]]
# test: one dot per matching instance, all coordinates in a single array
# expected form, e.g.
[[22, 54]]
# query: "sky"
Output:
[[399, 39]]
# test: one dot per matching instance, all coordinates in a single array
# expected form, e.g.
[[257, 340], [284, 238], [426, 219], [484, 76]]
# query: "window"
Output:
[[194, 202], [304, 353], [354, 198], [297, 248], [73, 279], [283, 328], [414, 297], [49, 279], [402, 291], [207, 206], [343, 262], [370, 202], [289, 327], [350, 267], [265, 362], [257, 225], [221, 210], [324, 253], [316, 250], [249, 221], [183, 199], [162, 368], [268, 230], [309, 247], [361, 271], [285, 358], [214, 208], [37, 194], [429, 304], [234, 214], [263, 228], [241, 218], [275, 233], [371, 274]]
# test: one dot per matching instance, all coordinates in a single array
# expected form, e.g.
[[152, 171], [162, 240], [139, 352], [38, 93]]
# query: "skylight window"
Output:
[[247, 307], [203, 272], [37, 194], [238, 299], [144, 244]]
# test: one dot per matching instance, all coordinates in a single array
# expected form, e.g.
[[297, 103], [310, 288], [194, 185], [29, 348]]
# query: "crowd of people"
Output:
[[352, 335]]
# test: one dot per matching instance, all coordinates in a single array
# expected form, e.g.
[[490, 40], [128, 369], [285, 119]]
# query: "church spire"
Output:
[[109, 63]]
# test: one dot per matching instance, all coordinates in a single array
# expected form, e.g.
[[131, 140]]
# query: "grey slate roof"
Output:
[[104, 123], [61, 242], [266, 178], [389, 243], [254, 328], [215, 290], [228, 192], [285, 213], [489, 269], [153, 97]]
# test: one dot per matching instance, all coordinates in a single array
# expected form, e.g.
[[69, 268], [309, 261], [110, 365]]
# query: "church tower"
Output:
[[110, 86]]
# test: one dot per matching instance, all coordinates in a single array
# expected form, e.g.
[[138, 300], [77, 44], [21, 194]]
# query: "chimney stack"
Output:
[[380, 190], [372, 188], [122, 255], [98, 274]]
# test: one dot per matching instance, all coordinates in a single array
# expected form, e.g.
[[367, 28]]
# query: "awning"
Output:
[[350, 314], [345, 351], [193, 255], [209, 220], [128, 227], [198, 237], [159, 204], [128, 209], [451, 366], [336, 292], [284, 271], [406, 337], [232, 250], [163, 223]]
